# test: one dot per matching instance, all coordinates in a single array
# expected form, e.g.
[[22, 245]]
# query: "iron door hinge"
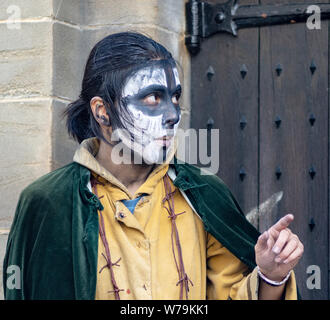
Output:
[[204, 19]]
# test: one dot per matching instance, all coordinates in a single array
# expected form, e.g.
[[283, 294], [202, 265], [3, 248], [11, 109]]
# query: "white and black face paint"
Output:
[[152, 99]]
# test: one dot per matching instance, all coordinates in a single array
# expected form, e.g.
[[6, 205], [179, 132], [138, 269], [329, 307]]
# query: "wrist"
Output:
[[272, 279], [271, 275]]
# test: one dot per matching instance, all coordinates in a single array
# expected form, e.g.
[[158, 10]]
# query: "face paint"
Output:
[[151, 96]]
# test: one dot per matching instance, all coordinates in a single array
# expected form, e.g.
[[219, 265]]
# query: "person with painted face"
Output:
[[126, 219]]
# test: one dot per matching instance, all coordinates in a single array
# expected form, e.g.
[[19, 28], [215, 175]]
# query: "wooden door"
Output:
[[267, 91]]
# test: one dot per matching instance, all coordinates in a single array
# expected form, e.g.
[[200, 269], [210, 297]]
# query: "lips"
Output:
[[164, 141]]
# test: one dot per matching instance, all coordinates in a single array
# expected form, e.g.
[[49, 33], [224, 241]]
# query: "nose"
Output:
[[171, 117]]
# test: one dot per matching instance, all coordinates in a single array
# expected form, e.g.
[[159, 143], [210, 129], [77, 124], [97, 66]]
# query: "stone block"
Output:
[[185, 120], [26, 60], [63, 147], [167, 14], [19, 9], [25, 140], [69, 59], [171, 15], [72, 11], [31, 35]]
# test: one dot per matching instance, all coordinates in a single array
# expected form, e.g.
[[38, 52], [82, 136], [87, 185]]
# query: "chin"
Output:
[[155, 153]]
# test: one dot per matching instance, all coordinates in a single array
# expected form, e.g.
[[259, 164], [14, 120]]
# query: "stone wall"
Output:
[[43, 51]]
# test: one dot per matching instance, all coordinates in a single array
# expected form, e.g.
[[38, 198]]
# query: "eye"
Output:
[[152, 99], [176, 98]]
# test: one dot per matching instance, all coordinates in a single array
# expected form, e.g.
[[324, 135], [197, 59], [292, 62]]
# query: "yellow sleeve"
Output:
[[229, 278]]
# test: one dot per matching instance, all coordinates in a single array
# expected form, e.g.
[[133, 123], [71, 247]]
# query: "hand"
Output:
[[278, 250]]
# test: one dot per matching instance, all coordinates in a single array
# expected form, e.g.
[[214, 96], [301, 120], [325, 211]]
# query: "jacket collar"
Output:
[[85, 156], [185, 176]]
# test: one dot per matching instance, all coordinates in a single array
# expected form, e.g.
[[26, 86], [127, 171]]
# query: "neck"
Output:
[[130, 175]]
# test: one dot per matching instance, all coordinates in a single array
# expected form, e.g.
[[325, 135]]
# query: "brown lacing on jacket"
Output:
[[183, 277], [107, 257]]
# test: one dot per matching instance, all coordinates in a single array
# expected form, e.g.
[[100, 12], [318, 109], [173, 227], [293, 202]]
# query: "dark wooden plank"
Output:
[[296, 145], [328, 160], [227, 98]]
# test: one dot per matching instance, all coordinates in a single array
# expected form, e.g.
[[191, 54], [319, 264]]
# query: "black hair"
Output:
[[110, 62]]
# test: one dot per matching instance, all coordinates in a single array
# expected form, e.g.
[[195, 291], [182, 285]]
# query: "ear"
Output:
[[99, 111]]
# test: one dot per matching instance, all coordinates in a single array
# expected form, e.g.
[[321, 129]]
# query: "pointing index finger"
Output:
[[283, 222]]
